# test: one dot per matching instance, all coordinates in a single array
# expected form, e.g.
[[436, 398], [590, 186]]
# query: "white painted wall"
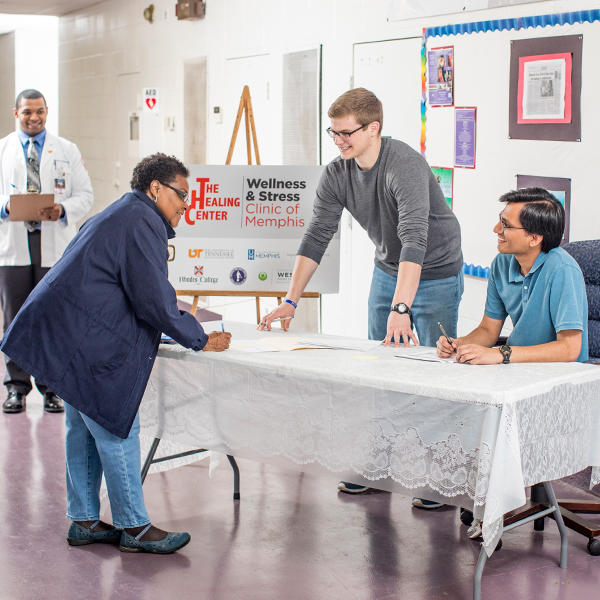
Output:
[[36, 59], [244, 43]]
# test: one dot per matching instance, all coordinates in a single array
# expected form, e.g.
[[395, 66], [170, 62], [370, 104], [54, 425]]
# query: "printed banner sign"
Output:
[[243, 228]]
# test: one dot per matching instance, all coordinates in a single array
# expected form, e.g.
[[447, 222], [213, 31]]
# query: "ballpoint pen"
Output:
[[281, 319], [222, 327], [446, 336]]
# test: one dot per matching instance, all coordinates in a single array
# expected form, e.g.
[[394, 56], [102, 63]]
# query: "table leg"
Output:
[[236, 477], [545, 491], [559, 522], [538, 495], [149, 458], [478, 572]]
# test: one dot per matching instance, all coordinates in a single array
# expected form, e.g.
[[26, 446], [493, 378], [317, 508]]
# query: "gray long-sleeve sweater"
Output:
[[400, 205]]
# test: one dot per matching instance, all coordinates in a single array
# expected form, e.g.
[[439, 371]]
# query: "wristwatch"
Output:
[[400, 308], [506, 351]]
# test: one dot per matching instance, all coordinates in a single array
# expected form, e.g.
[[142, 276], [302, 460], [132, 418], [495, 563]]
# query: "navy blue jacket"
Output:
[[90, 329]]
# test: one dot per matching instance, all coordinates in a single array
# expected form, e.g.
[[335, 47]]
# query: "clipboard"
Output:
[[26, 207]]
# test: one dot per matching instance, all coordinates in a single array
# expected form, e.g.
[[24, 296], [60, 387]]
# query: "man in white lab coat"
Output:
[[33, 160]]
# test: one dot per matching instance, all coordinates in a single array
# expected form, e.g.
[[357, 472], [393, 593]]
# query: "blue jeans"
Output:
[[436, 300], [90, 450]]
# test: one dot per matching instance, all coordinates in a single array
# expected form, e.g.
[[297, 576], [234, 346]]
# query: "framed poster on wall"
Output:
[[465, 136], [545, 89], [440, 76], [559, 187], [445, 177], [544, 94]]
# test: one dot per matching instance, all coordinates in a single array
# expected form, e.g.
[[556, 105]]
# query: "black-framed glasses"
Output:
[[506, 225], [183, 196], [345, 135]]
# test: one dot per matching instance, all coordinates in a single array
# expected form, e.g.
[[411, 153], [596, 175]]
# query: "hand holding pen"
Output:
[[445, 345]]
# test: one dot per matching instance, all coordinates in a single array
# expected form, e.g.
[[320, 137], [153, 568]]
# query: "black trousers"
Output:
[[16, 284]]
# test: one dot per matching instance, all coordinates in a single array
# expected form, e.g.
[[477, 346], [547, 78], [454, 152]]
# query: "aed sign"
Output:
[[150, 100]]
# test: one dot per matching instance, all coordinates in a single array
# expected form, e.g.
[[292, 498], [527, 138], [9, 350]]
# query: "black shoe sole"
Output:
[[13, 410], [54, 410], [140, 550]]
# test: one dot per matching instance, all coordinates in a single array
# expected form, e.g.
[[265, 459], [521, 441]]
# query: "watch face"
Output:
[[400, 308]]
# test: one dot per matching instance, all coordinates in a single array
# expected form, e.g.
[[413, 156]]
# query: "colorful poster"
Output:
[[544, 92], [440, 76], [243, 227], [445, 177], [465, 136]]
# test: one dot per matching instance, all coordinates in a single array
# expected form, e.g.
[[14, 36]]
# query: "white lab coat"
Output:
[[77, 197]]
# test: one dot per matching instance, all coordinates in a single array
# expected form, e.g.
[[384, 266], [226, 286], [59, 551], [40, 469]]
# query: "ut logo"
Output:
[[195, 252]]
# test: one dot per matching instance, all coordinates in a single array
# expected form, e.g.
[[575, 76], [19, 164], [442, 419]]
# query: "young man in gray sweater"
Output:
[[391, 191]]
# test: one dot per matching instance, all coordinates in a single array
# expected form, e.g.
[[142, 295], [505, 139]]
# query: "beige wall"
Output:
[[7, 83]]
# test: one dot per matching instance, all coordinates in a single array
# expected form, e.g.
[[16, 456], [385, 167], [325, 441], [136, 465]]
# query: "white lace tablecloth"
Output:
[[472, 435]]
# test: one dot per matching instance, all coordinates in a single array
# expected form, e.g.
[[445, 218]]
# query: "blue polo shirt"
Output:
[[549, 299]]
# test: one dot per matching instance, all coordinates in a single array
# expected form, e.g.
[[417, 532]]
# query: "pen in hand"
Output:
[[280, 319], [447, 336]]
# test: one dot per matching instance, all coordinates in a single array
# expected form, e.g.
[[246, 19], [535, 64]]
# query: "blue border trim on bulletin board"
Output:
[[569, 18]]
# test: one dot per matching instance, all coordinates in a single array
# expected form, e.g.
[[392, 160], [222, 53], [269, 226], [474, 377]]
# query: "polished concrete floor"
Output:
[[290, 537]]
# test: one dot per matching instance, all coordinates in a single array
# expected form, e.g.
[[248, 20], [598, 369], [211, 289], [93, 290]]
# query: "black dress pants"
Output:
[[16, 283]]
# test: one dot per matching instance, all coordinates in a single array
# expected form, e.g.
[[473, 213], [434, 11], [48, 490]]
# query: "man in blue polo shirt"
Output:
[[536, 283]]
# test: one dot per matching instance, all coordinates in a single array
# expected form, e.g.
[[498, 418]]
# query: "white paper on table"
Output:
[[424, 353], [274, 344], [340, 343]]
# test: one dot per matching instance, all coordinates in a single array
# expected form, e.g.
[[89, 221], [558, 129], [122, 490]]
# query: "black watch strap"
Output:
[[401, 308], [506, 351]]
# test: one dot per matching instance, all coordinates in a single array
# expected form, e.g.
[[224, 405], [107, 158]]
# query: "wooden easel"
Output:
[[245, 107]]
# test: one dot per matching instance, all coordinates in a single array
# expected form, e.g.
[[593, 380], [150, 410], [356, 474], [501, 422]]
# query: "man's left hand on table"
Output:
[[478, 355], [399, 329]]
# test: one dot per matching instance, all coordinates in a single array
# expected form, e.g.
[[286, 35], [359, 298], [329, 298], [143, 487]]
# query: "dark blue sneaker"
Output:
[[172, 542], [426, 504], [80, 536], [352, 488]]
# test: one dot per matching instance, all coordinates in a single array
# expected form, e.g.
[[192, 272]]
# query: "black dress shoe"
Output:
[[14, 403], [52, 403]]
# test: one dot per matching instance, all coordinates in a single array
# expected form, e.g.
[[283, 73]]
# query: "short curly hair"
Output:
[[158, 167]]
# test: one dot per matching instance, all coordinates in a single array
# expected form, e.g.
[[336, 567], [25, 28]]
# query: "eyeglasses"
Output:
[[345, 135], [505, 225], [183, 196]]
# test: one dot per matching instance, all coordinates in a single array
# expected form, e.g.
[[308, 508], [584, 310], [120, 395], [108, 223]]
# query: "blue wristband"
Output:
[[291, 302]]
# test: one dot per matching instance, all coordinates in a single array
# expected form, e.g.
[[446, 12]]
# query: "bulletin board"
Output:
[[482, 53]]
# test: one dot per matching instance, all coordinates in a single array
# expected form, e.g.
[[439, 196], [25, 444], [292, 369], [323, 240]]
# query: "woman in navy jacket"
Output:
[[96, 319]]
